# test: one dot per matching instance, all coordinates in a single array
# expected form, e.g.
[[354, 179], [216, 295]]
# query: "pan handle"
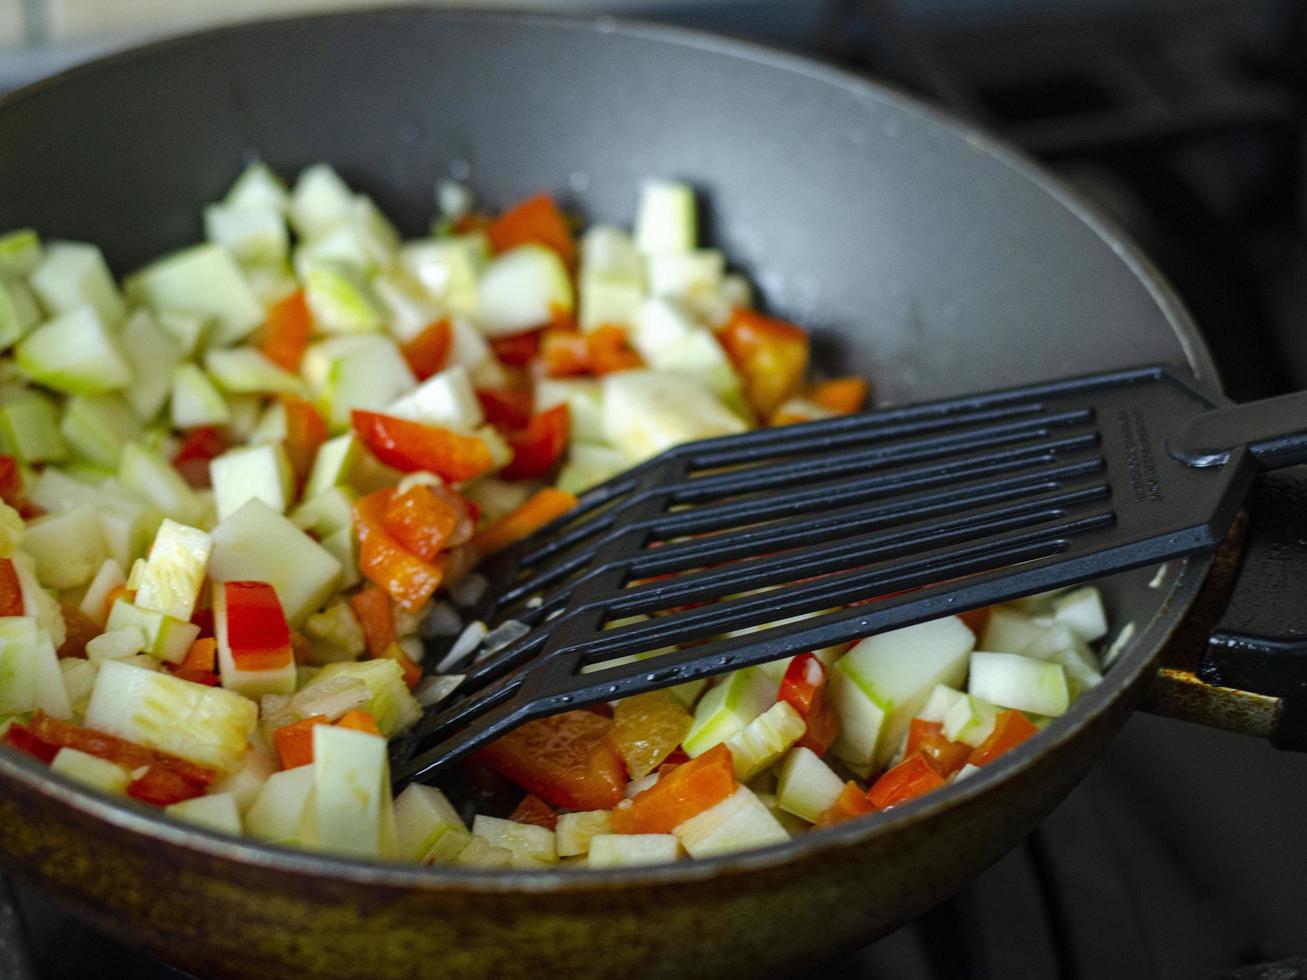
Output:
[[1240, 659]]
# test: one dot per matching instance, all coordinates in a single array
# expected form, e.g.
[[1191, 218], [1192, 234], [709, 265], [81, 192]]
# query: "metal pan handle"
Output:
[[1240, 659]]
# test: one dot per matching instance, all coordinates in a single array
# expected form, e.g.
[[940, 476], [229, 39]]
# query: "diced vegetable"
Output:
[[446, 399], [203, 280], [970, 720], [731, 704], [807, 786], [97, 427], [666, 220], [259, 472], [251, 233], [29, 428], [90, 770], [162, 636], [217, 811], [351, 790], [646, 412], [254, 648], [195, 401], [422, 816], [1012, 681], [1010, 729], [357, 373], [389, 700], [577, 829], [523, 288], [275, 813], [68, 547], [19, 312], [684, 792], [567, 760], [647, 728], [532, 846], [76, 352], [172, 576], [737, 823], [765, 739], [912, 777], [626, 850], [160, 484], [1082, 611], [73, 274]]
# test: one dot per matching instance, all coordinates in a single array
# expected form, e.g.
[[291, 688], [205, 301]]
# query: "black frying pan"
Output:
[[923, 255]]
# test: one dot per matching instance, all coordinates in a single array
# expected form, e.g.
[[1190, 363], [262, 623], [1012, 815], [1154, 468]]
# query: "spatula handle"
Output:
[[1274, 430]]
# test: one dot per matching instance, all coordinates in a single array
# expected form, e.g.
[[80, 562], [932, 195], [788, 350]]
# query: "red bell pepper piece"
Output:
[[534, 810], [538, 448], [912, 777], [372, 607], [22, 738], [11, 592], [547, 505], [804, 687], [507, 408], [850, 804], [428, 351], [11, 489], [408, 579], [564, 351], [294, 742], [55, 734], [843, 396], [690, 788], [411, 446], [927, 738], [163, 787], [284, 336], [422, 520], [976, 619], [199, 446], [537, 219], [306, 431], [517, 350], [607, 350], [257, 633], [770, 355], [567, 760], [1011, 728]]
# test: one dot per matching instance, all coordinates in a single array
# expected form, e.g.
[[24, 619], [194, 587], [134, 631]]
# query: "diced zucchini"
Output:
[[737, 823], [585, 404], [163, 637], [448, 269], [217, 811], [29, 426], [195, 400], [248, 473], [611, 280], [1013, 681], [275, 813], [1081, 670], [1008, 631], [666, 220], [155, 480], [574, 832], [97, 427], [74, 274], [251, 234], [340, 299], [76, 352], [19, 639], [389, 700], [409, 309], [879, 685], [244, 411], [109, 577], [646, 412], [765, 739], [153, 356], [588, 466], [1082, 611], [91, 770], [689, 275], [258, 544], [446, 399], [531, 846], [207, 725], [244, 371], [20, 252], [523, 288], [79, 681], [204, 280], [258, 186], [363, 241], [970, 720], [422, 816], [51, 695], [37, 602], [187, 330], [630, 850], [449, 846], [735, 700], [343, 461], [19, 311], [480, 853], [351, 787], [320, 201], [357, 372], [117, 644], [335, 634], [342, 544], [68, 547], [941, 699], [171, 578], [807, 786], [246, 783], [326, 512]]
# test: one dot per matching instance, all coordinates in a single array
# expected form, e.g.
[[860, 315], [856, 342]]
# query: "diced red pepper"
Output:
[[537, 219], [564, 351], [11, 592], [545, 506], [127, 754], [1011, 728], [843, 396], [927, 738], [976, 619], [257, 633], [913, 777], [360, 721], [203, 618], [285, 333], [202, 655], [22, 738], [411, 446], [372, 607], [507, 408], [770, 355], [421, 520], [690, 788], [804, 687], [11, 481], [206, 677], [163, 787], [538, 448], [517, 350], [428, 351], [199, 446], [850, 804], [534, 810], [294, 742], [473, 221], [567, 760], [408, 579], [79, 629], [306, 431], [608, 350]]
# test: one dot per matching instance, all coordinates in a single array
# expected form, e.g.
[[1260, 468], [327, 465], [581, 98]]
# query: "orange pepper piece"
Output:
[[538, 448], [294, 742], [1011, 728], [851, 803], [537, 219], [421, 521], [408, 579], [545, 506], [372, 607], [770, 355], [536, 811], [428, 351], [842, 396], [690, 788], [913, 777], [285, 333], [411, 446]]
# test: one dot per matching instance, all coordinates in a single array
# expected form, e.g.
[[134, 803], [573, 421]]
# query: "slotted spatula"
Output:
[[735, 551]]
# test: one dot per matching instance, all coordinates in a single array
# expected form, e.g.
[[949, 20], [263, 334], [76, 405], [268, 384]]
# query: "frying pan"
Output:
[[923, 255]]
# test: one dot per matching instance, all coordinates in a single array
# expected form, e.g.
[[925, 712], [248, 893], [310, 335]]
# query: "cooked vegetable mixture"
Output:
[[244, 485]]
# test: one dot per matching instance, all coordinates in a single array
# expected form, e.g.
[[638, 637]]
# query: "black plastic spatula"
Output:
[[735, 551]]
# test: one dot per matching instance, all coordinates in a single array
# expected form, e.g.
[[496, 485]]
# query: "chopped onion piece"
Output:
[[468, 641], [509, 631], [442, 620], [333, 696], [434, 689], [469, 591]]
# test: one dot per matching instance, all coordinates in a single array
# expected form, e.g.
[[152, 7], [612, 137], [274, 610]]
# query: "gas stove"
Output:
[[1180, 855]]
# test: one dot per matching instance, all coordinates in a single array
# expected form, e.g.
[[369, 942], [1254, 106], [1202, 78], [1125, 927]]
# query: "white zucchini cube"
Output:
[[76, 352], [68, 547], [245, 371], [275, 815], [74, 274], [765, 739], [97, 427], [320, 201], [206, 281], [632, 850], [216, 811], [524, 288], [1082, 611], [646, 412], [970, 720], [259, 472], [575, 830], [252, 234], [531, 846], [731, 704], [446, 399], [246, 783], [91, 770], [1010, 680], [171, 577], [196, 400], [422, 816], [666, 220], [351, 789], [738, 823], [807, 787], [258, 186]]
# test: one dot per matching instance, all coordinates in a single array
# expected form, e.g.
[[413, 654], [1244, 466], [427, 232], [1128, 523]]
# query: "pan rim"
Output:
[[153, 827]]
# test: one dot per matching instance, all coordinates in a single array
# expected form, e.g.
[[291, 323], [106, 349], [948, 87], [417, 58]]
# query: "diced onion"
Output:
[[468, 641], [442, 620], [434, 689]]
